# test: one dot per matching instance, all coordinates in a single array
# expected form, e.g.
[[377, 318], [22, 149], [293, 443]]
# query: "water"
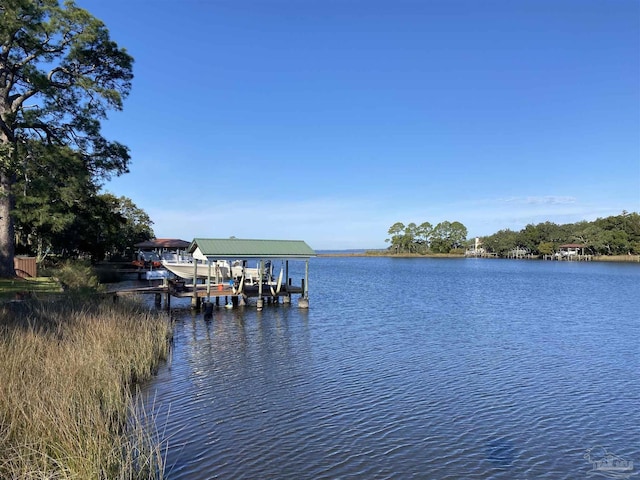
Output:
[[411, 368]]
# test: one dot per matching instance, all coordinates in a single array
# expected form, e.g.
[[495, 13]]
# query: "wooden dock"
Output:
[[213, 294], [207, 252]]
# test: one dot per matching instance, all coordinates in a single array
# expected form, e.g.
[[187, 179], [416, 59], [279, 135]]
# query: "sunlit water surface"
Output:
[[410, 368]]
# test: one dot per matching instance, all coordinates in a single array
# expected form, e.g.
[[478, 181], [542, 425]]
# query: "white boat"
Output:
[[249, 275], [184, 268], [221, 271]]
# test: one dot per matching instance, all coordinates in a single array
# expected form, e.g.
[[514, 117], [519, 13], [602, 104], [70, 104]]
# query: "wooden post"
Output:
[[260, 274], [209, 280], [304, 299], [195, 273], [260, 302], [286, 274], [195, 300]]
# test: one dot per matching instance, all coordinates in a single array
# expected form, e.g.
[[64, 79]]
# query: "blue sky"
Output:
[[329, 121]]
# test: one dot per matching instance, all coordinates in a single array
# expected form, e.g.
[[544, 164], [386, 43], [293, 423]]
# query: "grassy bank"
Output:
[[617, 258], [11, 288], [67, 369]]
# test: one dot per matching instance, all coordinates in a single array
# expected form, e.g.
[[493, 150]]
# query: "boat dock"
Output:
[[205, 272], [204, 295]]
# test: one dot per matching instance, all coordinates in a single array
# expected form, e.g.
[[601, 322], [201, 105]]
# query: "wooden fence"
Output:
[[26, 267]]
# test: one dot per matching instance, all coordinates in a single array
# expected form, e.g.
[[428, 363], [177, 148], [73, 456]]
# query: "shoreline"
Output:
[[594, 258]]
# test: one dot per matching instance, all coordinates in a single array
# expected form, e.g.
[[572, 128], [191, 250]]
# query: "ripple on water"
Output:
[[454, 370]]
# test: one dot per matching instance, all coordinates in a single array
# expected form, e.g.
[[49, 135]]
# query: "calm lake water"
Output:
[[411, 368]]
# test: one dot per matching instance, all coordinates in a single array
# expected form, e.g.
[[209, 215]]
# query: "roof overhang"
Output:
[[163, 243], [237, 248]]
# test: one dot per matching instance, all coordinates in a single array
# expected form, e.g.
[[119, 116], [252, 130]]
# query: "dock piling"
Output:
[[195, 301]]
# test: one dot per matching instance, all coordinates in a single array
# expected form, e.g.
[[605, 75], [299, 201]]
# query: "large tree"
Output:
[[448, 235], [59, 75], [419, 238], [133, 225], [53, 188], [60, 210], [396, 231], [501, 242], [104, 226]]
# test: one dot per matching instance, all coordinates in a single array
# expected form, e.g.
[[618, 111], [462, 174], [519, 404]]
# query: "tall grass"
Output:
[[67, 370]]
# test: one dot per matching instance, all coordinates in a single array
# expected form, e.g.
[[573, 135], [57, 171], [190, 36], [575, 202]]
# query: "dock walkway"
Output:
[[201, 291]]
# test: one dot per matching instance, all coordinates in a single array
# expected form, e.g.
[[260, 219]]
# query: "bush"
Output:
[[77, 276]]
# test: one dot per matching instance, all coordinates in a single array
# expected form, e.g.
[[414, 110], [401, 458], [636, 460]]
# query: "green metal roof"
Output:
[[245, 248]]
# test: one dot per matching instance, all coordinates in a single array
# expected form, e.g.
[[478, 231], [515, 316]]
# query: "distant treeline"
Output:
[[445, 237], [615, 235]]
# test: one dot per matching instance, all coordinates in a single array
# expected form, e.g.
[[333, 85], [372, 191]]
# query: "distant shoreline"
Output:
[[595, 258], [393, 255]]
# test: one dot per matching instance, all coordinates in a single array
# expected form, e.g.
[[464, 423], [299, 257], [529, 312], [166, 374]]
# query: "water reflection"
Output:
[[480, 369]]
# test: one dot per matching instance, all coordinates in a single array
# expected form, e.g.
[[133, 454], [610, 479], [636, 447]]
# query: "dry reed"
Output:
[[66, 375]]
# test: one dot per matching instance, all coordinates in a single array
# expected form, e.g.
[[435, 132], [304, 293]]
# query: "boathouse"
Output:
[[211, 250], [570, 249], [149, 254], [161, 245]]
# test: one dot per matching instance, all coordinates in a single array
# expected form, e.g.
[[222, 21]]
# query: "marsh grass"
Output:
[[617, 258], [67, 373]]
